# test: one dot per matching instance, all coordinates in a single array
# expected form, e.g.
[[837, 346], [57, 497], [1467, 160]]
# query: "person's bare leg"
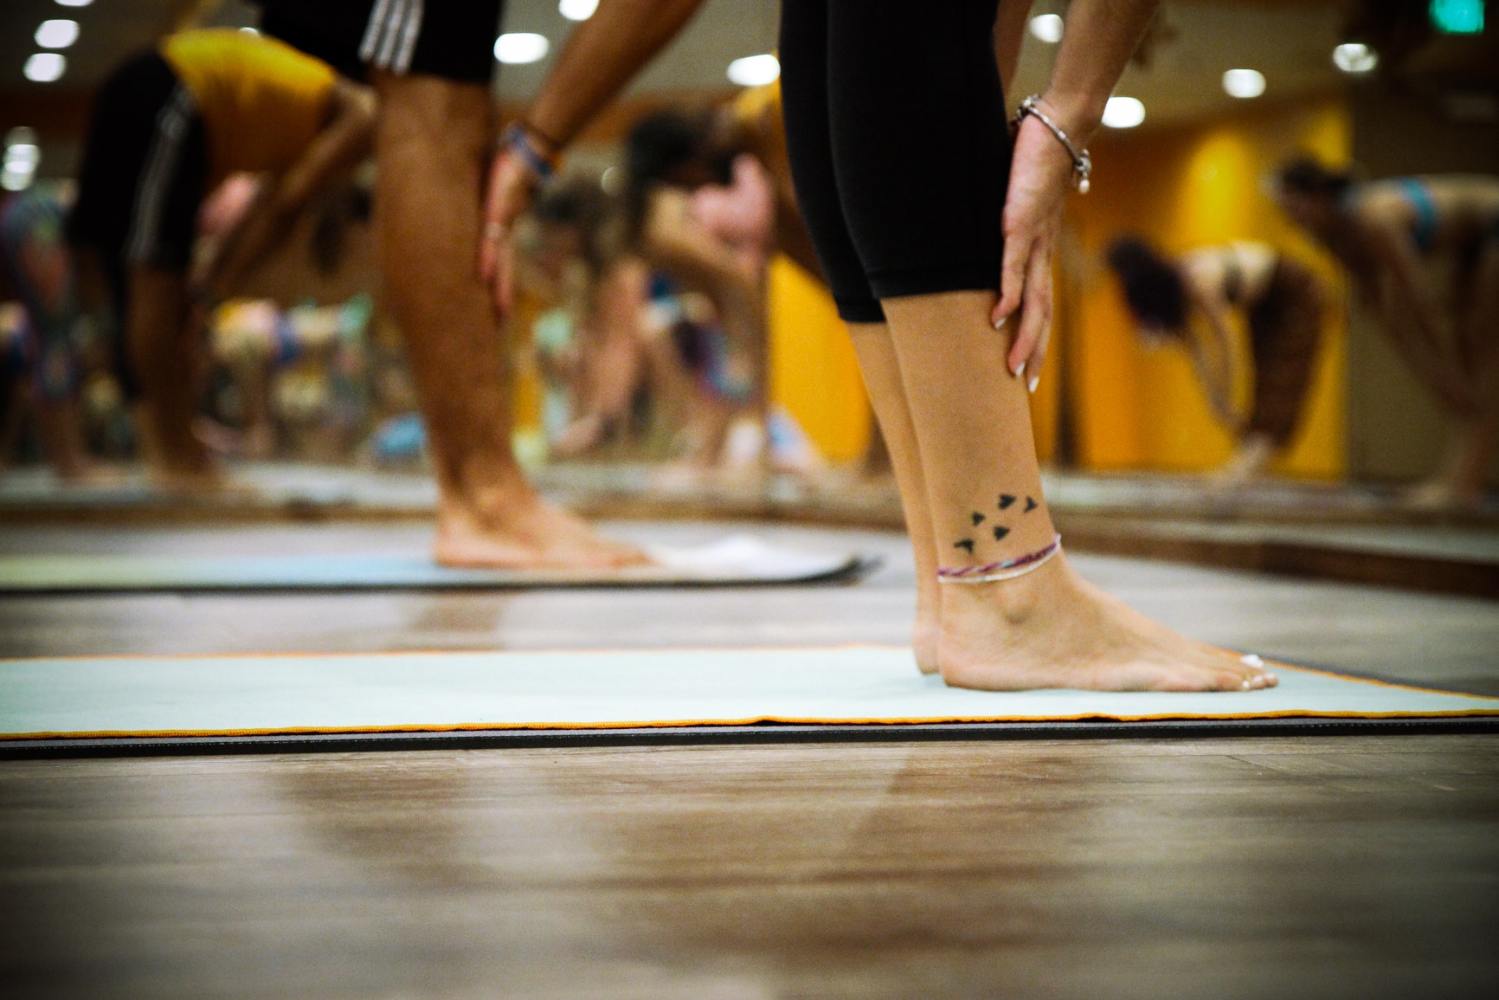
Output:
[[431, 143], [1048, 628], [165, 354], [253, 379], [887, 394], [1461, 478], [60, 426], [1479, 328]]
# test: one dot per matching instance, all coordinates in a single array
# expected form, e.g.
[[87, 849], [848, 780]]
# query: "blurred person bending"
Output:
[[1394, 236], [1190, 300], [168, 126]]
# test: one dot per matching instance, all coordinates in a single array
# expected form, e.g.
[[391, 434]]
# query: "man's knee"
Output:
[[441, 117]]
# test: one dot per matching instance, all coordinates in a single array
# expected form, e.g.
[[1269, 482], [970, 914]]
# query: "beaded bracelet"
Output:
[[1082, 160], [517, 139], [1008, 569]]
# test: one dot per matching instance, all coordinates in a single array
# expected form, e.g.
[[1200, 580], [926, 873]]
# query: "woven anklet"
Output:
[[1009, 569]]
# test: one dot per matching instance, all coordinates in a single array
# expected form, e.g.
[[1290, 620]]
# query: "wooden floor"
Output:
[[1318, 867]]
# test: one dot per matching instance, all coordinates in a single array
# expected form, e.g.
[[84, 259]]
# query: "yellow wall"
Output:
[[813, 371], [1135, 408]]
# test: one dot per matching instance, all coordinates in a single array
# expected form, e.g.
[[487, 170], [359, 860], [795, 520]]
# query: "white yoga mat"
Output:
[[736, 560], [603, 689]]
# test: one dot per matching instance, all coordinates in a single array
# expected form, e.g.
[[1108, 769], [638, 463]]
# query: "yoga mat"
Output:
[[416, 694], [736, 561]]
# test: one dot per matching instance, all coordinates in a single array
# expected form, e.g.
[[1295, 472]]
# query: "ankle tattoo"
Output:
[[1002, 569]]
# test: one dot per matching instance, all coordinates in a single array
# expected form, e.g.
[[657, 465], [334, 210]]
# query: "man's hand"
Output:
[[1040, 177], [511, 186]]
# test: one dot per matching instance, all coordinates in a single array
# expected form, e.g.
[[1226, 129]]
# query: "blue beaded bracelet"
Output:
[[516, 140]]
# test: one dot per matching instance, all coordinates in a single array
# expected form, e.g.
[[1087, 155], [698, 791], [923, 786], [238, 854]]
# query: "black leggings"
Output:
[[895, 121]]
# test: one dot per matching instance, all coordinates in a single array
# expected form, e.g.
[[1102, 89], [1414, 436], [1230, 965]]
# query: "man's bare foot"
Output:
[[526, 533], [1051, 629]]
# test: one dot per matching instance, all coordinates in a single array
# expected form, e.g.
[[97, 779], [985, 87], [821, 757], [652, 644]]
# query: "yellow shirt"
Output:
[[261, 100]]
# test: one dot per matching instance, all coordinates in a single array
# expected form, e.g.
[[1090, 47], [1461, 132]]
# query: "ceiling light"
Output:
[[57, 33], [15, 180], [45, 67], [577, 10], [1047, 28], [753, 71], [517, 48], [1123, 112], [1457, 17], [1244, 83], [22, 156], [74, 3], [1355, 57]]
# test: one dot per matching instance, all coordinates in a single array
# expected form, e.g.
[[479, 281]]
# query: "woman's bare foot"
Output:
[[1051, 629], [928, 628], [525, 533]]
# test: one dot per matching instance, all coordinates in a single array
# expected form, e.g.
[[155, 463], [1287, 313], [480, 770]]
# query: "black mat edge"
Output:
[[852, 570], [768, 734]]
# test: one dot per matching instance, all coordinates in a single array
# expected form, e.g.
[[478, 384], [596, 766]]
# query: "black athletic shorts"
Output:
[[142, 180], [144, 169], [900, 152], [453, 39]]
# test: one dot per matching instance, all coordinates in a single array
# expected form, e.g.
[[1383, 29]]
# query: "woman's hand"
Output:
[[511, 185], [1040, 177]]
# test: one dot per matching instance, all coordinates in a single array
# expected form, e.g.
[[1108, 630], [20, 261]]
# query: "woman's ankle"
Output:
[[1005, 604]]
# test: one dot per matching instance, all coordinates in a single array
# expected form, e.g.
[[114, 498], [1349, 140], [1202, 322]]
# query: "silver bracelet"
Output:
[[1082, 160]]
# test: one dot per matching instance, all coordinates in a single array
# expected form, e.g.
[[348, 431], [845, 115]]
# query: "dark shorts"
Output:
[[142, 180], [144, 169], [452, 39]]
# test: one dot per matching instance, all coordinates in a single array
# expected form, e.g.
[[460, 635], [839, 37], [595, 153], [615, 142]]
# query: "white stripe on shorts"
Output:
[[374, 30], [409, 34], [390, 36], [159, 172]]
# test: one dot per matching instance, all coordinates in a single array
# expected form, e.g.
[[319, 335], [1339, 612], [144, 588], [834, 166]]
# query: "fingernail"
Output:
[[1035, 381], [1020, 370], [999, 324]]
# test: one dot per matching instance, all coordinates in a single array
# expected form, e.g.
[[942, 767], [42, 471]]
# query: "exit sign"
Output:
[[1457, 17]]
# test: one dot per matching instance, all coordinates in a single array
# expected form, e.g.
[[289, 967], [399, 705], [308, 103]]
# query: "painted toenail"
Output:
[[1248, 684], [1251, 660]]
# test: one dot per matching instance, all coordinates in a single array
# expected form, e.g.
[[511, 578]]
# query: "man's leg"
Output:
[[430, 145], [164, 352]]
